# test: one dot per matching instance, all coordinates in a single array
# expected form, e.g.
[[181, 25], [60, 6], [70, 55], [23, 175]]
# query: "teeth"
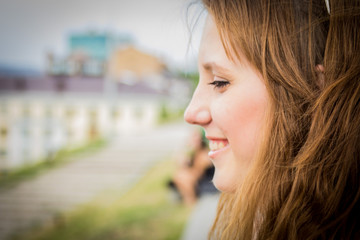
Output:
[[216, 145]]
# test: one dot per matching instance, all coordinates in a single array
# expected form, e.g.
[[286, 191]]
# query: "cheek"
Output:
[[241, 119]]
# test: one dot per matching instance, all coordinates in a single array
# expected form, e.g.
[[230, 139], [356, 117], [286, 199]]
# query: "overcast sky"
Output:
[[30, 28]]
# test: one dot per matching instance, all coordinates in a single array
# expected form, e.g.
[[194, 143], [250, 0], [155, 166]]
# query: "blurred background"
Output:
[[92, 95]]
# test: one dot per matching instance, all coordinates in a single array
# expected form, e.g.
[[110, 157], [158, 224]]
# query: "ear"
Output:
[[320, 76]]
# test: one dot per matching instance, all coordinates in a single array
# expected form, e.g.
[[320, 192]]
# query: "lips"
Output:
[[217, 146]]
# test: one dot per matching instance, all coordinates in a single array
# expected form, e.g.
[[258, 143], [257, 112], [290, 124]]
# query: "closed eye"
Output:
[[219, 84]]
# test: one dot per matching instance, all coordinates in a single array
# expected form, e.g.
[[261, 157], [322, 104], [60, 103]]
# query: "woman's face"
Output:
[[229, 102]]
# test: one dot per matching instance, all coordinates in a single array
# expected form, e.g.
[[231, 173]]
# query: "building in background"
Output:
[[88, 54], [103, 89], [41, 115], [129, 60]]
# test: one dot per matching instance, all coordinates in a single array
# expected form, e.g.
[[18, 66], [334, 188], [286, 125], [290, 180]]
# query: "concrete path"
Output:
[[117, 167], [202, 217]]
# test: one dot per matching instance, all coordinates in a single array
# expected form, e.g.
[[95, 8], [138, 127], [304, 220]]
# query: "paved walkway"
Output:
[[202, 217], [117, 167]]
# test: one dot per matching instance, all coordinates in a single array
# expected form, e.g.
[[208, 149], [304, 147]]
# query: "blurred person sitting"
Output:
[[194, 170]]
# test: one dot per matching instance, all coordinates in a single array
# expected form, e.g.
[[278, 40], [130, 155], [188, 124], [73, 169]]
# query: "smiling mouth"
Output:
[[216, 145]]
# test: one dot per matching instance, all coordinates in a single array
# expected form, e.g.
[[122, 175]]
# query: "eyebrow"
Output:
[[213, 66]]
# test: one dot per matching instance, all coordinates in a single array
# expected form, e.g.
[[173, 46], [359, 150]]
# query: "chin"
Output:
[[223, 182]]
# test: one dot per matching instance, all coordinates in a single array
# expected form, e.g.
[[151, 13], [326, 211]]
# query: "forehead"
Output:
[[212, 52], [211, 48]]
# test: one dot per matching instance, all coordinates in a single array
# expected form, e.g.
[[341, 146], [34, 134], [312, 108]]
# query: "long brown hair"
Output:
[[305, 183]]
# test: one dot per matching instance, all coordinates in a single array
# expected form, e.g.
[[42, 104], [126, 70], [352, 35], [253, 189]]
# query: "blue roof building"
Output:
[[97, 45], [88, 54]]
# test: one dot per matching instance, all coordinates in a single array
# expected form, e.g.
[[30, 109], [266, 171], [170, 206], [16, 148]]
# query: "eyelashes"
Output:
[[219, 84]]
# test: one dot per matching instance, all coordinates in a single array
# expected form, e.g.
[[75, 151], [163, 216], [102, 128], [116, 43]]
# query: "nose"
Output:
[[198, 111]]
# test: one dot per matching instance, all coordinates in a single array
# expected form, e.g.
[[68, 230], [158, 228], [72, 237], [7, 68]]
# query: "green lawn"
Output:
[[144, 212]]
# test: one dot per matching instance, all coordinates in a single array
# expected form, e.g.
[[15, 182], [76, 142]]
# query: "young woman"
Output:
[[279, 100]]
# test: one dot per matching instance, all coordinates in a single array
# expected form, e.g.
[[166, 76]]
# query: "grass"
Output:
[[13, 177], [168, 115], [144, 212]]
